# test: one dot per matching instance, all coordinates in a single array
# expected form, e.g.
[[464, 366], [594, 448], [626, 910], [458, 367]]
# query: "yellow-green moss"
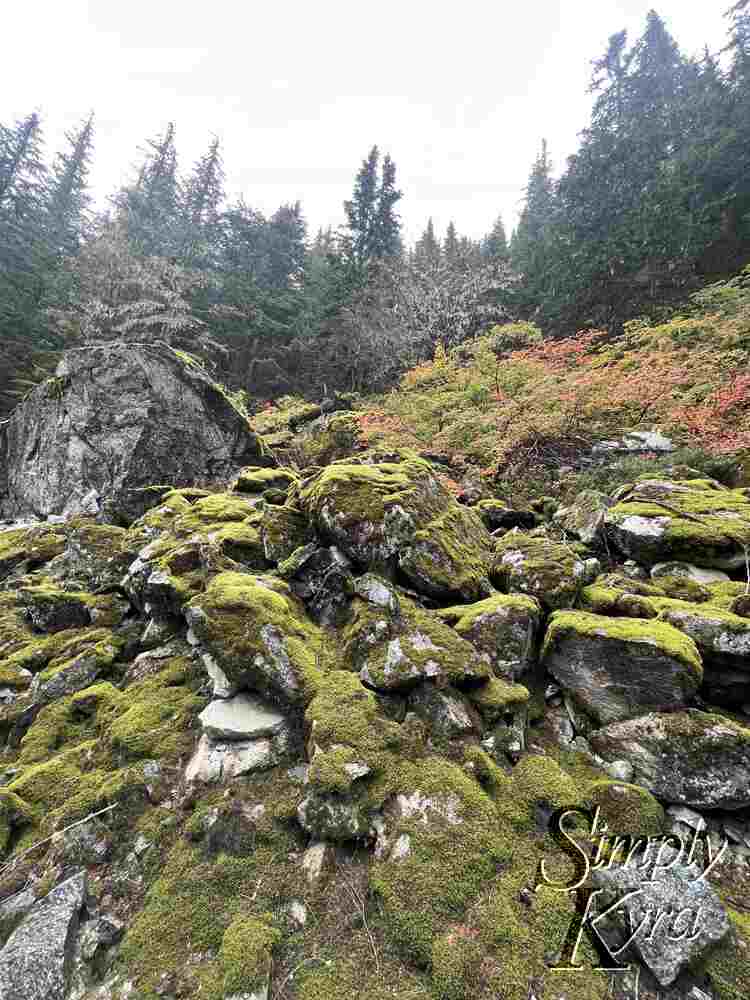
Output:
[[13, 813], [235, 612], [628, 809], [496, 696], [245, 954], [255, 479], [728, 965], [657, 634]]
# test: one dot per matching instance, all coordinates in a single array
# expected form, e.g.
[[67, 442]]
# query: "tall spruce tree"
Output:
[[373, 225], [495, 243]]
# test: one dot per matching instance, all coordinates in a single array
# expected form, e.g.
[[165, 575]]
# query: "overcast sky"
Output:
[[460, 94]]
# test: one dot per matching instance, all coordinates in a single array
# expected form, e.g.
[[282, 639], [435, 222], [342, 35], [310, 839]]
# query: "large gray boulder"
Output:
[[619, 668], [36, 962], [115, 418], [677, 913], [691, 758]]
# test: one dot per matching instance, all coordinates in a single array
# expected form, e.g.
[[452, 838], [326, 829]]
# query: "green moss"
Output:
[[540, 781], [627, 809], [32, 546], [396, 651], [260, 635], [496, 697], [245, 954], [631, 630], [450, 860], [255, 479], [601, 600], [538, 566], [728, 965], [14, 813], [283, 530], [159, 715]]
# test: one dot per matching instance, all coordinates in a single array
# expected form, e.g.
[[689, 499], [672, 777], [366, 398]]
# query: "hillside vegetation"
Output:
[[523, 412]]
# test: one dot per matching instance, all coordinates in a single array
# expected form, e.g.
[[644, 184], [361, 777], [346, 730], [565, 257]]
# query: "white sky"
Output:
[[460, 94]]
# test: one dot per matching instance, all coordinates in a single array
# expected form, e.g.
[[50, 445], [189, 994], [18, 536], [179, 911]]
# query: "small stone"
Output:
[[298, 912], [240, 718], [620, 770], [315, 859], [691, 818]]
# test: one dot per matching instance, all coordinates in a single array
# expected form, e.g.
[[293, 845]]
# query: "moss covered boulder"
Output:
[[689, 758], [539, 567], [351, 745], [395, 644], [260, 636], [502, 627], [25, 548], [191, 540], [723, 638], [389, 512], [694, 521], [620, 668], [626, 808]]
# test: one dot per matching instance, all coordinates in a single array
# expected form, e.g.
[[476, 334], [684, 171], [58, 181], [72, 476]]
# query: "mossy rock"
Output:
[[723, 638], [502, 627], [539, 567], [52, 610], [14, 812], [395, 650], [255, 479], [391, 511], [259, 634], [618, 668], [283, 530], [692, 758], [245, 955], [497, 698], [28, 548], [687, 521], [455, 846], [626, 808]]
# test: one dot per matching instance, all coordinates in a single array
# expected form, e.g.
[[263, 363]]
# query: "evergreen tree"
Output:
[[427, 247], [495, 243], [68, 199], [373, 226], [532, 240], [450, 245], [202, 201], [150, 208]]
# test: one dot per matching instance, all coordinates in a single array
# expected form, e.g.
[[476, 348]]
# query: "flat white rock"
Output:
[[242, 717]]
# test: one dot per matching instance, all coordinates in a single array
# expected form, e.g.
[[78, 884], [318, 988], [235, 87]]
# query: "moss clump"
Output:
[[727, 965], [245, 954], [13, 813], [381, 511], [503, 627], [397, 650], [627, 809], [260, 635], [456, 847], [539, 781], [540, 567], [255, 479], [283, 530], [496, 698], [629, 630], [603, 600], [30, 546], [158, 716]]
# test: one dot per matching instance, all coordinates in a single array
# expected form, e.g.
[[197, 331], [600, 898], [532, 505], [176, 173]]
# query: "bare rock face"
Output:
[[35, 963], [115, 418]]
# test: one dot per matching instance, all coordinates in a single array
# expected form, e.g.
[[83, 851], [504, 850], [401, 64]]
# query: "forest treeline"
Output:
[[655, 203]]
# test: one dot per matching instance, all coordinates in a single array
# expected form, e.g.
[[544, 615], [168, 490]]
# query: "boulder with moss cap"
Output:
[[502, 627], [260, 636], [692, 758], [390, 511], [398, 649], [693, 521], [617, 669], [539, 567]]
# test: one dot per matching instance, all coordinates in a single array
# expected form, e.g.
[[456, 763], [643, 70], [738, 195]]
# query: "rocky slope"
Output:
[[286, 732]]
